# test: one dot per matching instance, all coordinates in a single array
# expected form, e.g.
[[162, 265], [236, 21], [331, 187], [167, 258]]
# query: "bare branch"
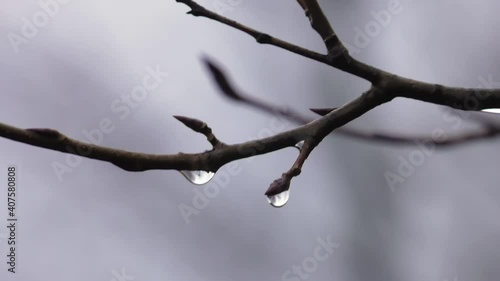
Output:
[[131, 161], [385, 87], [212, 160], [226, 87], [283, 184], [389, 84], [262, 38], [320, 23]]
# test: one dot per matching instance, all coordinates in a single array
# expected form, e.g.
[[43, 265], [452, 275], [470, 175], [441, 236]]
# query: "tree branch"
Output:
[[489, 130], [385, 87], [209, 161], [389, 84], [320, 23], [131, 161], [262, 38]]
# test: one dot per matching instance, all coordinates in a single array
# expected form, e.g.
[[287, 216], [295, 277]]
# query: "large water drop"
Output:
[[279, 200], [197, 177]]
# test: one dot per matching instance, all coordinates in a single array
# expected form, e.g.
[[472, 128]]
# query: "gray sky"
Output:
[[97, 222]]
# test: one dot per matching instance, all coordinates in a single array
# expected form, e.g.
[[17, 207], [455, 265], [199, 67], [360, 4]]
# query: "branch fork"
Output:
[[384, 87]]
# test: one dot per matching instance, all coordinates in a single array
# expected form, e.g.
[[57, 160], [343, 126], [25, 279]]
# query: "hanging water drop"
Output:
[[280, 199], [299, 145], [197, 177], [491, 110]]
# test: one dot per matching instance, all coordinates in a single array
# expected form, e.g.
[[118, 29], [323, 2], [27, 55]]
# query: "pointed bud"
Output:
[[279, 185], [194, 124], [221, 80]]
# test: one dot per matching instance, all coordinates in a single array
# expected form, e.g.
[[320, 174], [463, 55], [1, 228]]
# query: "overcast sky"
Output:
[[81, 219]]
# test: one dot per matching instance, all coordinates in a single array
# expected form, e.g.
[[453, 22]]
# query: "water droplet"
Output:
[[491, 110], [197, 177], [299, 145], [279, 200]]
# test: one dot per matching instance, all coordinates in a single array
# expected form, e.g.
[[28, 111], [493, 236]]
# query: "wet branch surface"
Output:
[[384, 87]]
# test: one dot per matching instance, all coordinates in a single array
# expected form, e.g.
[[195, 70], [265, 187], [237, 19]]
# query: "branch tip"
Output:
[[202, 128], [279, 185], [221, 79], [194, 124]]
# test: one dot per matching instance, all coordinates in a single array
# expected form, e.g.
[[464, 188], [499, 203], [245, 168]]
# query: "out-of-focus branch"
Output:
[[489, 130]]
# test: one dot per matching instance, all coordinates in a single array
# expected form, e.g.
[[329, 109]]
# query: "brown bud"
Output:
[[279, 185], [194, 124]]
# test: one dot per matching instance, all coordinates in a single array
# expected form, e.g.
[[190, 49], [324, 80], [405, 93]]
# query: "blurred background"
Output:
[[69, 65]]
